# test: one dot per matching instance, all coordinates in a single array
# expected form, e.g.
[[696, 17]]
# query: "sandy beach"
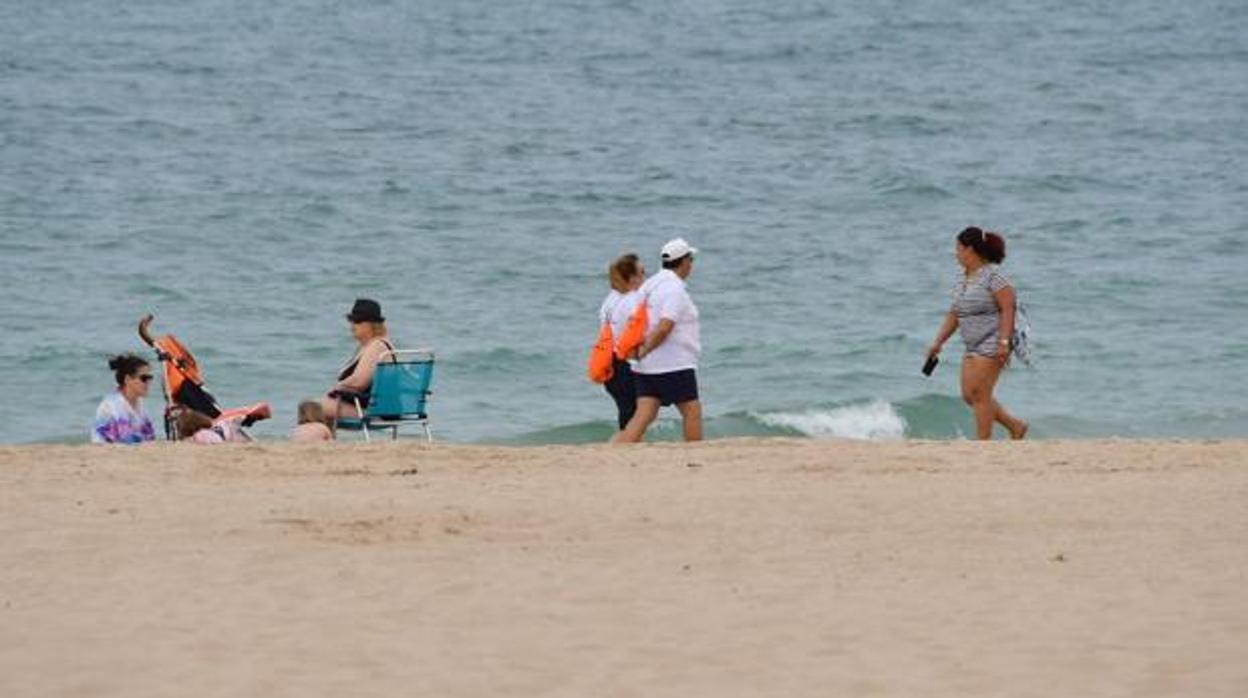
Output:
[[729, 568]]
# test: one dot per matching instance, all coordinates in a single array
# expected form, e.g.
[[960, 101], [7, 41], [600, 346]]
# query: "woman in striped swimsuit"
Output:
[[983, 309]]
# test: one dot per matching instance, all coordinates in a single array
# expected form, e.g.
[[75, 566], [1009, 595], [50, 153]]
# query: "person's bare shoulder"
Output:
[[373, 351], [311, 432]]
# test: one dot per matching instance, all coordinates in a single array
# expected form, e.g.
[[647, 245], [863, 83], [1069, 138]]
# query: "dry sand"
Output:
[[731, 568]]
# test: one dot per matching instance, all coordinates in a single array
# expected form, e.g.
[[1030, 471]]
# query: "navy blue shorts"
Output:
[[623, 391], [670, 388]]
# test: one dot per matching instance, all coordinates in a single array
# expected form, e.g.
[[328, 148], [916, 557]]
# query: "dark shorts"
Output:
[[670, 388], [622, 390]]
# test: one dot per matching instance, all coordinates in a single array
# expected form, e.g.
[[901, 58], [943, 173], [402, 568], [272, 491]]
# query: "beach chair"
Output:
[[397, 397], [183, 386]]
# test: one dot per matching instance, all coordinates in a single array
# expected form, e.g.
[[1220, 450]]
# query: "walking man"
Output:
[[666, 369]]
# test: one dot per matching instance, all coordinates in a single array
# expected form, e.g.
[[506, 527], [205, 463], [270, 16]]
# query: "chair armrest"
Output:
[[347, 395]]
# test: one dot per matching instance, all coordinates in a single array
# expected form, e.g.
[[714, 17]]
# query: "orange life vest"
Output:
[[601, 358], [634, 334]]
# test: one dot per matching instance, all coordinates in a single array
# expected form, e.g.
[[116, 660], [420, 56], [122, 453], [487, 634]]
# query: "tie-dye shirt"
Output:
[[116, 422]]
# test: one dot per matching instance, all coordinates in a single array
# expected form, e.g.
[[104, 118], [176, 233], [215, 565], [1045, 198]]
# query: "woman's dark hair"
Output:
[[126, 365], [988, 245]]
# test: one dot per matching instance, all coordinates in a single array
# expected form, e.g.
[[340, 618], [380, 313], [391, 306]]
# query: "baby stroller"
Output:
[[184, 387]]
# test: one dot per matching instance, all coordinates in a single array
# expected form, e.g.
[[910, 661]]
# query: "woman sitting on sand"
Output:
[[368, 327], [983, 309], [120, 418]]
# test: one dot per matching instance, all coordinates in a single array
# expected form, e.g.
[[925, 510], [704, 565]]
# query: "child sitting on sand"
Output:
[[312, 425]]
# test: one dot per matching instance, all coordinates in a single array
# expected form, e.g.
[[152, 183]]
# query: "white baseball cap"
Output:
[[677, 248]]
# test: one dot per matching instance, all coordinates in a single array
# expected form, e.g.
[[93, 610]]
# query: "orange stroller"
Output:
[[184, 386]]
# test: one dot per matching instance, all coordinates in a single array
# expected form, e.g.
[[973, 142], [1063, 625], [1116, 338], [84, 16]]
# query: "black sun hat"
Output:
[[365, 310]]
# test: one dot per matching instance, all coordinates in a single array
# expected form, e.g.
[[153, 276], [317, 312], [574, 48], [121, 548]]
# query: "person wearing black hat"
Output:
[[368, 327]]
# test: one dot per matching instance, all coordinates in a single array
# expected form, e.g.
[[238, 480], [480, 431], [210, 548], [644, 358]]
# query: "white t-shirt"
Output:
[[617, 309], [668, 299], [118, 422]]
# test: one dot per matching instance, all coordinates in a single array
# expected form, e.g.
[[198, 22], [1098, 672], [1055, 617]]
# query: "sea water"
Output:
[[246, 170]]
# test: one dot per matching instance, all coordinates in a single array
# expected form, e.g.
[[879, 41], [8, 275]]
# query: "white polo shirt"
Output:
[[668, 299]]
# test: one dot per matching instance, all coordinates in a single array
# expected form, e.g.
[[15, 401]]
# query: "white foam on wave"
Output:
[[875, 421]]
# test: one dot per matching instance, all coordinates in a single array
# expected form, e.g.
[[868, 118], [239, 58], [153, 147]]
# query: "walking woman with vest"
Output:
[[667, 359], [984, 305], [626, 274]]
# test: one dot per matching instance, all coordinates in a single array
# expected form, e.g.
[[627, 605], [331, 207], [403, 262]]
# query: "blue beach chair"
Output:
[[398, 395]]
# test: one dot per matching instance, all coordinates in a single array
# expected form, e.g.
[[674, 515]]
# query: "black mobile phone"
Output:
[[930, 365]]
